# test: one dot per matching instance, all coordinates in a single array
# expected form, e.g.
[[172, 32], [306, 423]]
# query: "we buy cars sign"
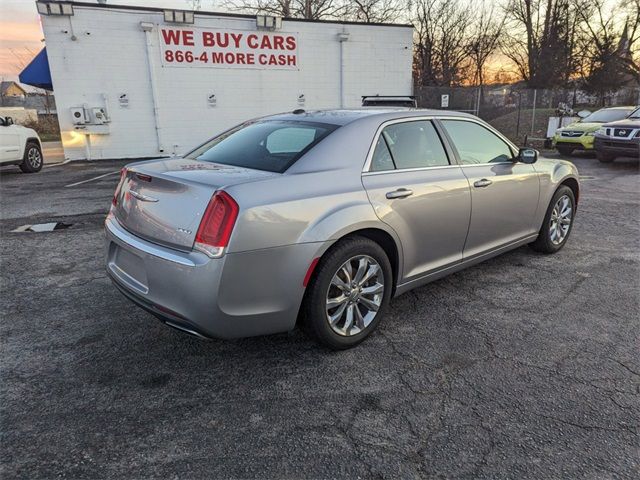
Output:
[[196, 47]]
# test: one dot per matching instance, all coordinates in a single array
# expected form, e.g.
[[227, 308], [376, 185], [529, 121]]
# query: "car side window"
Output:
[[381, 159], [413, 144], [476, 144]]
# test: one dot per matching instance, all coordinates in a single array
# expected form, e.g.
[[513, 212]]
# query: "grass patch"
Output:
[[508, 124], [49, 137]]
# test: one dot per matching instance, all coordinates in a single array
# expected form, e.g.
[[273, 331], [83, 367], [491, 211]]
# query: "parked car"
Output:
[[619, 139], [324, 216], [20, 146], [580, 135]]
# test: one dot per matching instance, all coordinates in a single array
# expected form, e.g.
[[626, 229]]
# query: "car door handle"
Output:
[[482, 183], [399, 193]]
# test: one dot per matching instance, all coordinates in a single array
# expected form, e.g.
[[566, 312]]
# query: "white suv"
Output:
[[19, 146]]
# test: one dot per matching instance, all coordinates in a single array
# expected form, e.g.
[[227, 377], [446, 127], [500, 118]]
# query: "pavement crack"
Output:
[[622, 428], [626, 367]]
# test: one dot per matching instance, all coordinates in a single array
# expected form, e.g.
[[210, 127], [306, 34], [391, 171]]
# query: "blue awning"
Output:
[[37, 73]]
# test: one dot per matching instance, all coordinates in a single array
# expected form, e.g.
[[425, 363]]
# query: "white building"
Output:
[[135, 82]]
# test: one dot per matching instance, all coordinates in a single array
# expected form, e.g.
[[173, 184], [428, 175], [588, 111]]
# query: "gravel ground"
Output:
[[526, 366]]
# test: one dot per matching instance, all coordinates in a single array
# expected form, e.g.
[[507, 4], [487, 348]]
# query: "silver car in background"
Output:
[[324, 216]]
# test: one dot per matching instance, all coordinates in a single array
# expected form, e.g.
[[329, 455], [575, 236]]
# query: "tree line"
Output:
[[593, 44]]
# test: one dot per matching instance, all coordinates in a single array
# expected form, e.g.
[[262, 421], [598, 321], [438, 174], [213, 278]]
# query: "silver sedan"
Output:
[[322, 217]]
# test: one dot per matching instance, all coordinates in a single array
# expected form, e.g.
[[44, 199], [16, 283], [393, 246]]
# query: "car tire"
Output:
[[32, 161], [553, 235], [605, 157], [565, 150], [352, 317]]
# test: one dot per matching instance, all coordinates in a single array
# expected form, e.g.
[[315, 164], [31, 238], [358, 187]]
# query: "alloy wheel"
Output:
[[34, 157], [561, 218], [355, 295]]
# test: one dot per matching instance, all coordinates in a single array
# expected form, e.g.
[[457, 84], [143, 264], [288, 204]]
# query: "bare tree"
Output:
[[633, 32], [425, 61], [484, 39], [541, 40], [375, 11], [610, 47], [441, 50], [309, 9]]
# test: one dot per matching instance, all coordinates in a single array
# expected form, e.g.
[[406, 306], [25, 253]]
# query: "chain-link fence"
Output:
[[521, 114]]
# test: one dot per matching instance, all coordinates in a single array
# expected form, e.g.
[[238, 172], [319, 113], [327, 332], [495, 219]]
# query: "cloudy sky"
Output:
[[21, 36]]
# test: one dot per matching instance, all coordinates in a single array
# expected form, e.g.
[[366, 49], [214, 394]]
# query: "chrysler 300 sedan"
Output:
[[322, 217]]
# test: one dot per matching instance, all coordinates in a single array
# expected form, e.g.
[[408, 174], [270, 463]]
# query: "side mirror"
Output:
[[8, 121], [527, 155], [584, 113]]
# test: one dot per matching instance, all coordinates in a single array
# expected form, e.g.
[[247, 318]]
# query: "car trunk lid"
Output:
[[163, 201]]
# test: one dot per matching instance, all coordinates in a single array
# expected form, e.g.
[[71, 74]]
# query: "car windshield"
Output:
[[271, 145], [636, 114], [607, 115]]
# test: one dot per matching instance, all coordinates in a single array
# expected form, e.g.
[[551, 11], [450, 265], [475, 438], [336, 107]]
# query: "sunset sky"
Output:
[[20, 33]]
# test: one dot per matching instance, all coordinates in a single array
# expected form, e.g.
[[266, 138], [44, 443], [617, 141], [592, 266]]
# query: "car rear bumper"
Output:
[[238, 295], [626, 148]]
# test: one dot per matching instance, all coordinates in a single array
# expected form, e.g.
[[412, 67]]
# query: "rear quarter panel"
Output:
[[320, 197], [305, 208], [318, 200]]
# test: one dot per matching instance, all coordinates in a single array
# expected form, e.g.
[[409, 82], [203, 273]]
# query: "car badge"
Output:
[[141, 197]]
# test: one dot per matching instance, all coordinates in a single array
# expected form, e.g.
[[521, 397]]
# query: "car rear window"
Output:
[[270, 145]]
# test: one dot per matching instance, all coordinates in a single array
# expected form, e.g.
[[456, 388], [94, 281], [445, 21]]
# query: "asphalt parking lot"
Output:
[[526, 366]]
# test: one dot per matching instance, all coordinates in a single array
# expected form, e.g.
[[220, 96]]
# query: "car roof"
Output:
[[623, 107], [346, 116]]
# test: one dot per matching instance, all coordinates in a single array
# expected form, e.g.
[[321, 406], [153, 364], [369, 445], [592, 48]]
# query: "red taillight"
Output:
[[217, 224], [123, 174]]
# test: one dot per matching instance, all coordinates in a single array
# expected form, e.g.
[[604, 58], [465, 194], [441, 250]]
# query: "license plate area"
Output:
[[128, 268]]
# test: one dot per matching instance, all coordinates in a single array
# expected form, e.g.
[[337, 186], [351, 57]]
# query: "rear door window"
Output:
[[413, 144], [272, 145]]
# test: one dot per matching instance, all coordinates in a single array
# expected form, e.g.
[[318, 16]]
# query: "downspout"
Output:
[[342, 37], [87, 146], [147, 28]]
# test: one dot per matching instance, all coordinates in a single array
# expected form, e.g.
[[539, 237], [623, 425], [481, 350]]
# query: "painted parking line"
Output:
[[92, 179], [49, 165]]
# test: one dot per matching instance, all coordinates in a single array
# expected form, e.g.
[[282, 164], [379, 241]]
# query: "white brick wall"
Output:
[[109, 57]]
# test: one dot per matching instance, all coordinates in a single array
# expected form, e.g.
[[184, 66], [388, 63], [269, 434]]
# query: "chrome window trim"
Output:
[[367, 164], [485, 164], [414, 169]]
